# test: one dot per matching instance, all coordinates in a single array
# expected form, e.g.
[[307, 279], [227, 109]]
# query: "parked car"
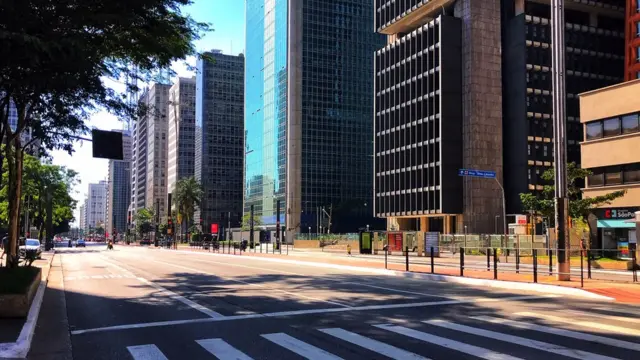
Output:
[[31, 245], [81, 243]]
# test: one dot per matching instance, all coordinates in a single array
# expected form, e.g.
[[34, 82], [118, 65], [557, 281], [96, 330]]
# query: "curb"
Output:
[[498, 284], [20, 348]]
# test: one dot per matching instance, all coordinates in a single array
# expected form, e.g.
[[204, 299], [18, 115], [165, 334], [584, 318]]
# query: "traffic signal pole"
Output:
[[559, 138]]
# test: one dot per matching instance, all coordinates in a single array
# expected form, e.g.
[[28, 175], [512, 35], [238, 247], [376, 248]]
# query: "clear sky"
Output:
[[227, 19]]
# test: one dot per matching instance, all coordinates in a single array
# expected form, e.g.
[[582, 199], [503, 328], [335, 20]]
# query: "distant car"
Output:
[[145, 242], [31, 245], [81, 243]]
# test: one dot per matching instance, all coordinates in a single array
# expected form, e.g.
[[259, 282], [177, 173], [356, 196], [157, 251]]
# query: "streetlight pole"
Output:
[[559, 137], [495, 224]]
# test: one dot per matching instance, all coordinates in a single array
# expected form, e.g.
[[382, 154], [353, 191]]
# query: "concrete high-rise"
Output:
[[182, 122], [219, 138], [308, 113], [157, 129], [119, 189], [595, 50], [82, 221], [96, 205]]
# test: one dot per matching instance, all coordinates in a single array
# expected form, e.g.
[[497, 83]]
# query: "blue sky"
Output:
[[227, 19]]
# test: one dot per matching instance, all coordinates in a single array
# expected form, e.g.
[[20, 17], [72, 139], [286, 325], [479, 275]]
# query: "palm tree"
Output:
[[188, 194]]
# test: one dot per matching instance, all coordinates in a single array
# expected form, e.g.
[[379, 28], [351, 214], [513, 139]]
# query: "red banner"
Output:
[[214, 228]]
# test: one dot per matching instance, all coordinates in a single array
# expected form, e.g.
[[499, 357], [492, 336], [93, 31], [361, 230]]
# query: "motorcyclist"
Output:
[[110, 245]]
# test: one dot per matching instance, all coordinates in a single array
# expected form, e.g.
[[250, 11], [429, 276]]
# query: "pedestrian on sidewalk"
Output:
[[349, 249]]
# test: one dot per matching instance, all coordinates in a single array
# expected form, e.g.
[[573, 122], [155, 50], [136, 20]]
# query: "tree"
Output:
[[41, 181], [579, 208], [246, 221], [61, 52], [187, 196], [144, 219]]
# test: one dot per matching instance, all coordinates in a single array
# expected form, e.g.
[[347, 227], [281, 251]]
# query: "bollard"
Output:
[[635, 265], [406, 258], [234, 249], [273, 249], [535, 265], [581, 269], [589, 263], [287, 249], [550, 261], [517, 260], [488, 259], [261, 247], [432, 267], [461, 261], [386, 250], [495, 264], [280, 247]]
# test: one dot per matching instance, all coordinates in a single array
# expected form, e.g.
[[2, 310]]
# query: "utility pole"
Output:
[[559, 138], [49, 223]]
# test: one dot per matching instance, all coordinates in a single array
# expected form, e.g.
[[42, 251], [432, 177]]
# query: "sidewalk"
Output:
[[620, 291], [15, 333]]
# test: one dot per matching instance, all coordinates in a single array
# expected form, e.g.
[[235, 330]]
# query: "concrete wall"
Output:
[[616, 150], [482, 109], [610, 101]]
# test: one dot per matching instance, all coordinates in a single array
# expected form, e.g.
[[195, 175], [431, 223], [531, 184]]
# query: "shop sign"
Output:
[[617, 213], [521, 219]]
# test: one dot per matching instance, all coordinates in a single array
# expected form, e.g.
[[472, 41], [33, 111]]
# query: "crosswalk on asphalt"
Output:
[[484, 337]]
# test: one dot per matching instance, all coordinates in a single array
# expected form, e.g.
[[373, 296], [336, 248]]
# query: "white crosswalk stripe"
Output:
[[300, 347], [589, 324], [146, 352], [222, 350], [447, 343], [373, 345], [534, 344], [562, 332]]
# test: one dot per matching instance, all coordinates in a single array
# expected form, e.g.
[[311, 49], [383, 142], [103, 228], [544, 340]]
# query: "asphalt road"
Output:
[[138, 303]]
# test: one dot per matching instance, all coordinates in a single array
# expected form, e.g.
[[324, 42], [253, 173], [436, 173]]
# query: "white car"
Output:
[[31, 245]]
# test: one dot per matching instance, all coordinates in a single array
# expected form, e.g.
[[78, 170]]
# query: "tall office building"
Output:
[[632, 34], [438, 102], [219, 138], [308, 113], [119, 189], [82, 221], [139, 162], [182, 133], [594, 56], [157, 129], [96, 205]]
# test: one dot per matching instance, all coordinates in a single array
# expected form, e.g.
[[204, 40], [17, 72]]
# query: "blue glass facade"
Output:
[[309, 111]]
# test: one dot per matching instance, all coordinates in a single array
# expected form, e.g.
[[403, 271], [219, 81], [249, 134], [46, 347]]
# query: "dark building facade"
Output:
[[219, 139], [594, 59], [308, 112], [438, 109]]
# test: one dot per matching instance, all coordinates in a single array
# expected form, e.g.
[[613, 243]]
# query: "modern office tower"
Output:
[[594, 58], [139, 161], [157, 129], [96, 205], [611, 120], [82, 220], [219, 138], [119, 189], [308, 113], [182, 133], [632, 35], [438, 109]]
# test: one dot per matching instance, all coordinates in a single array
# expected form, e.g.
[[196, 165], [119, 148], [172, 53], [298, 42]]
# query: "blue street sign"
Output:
[[477, 173]]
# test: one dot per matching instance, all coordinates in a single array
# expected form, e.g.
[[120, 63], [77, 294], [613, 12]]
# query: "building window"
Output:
[[613, 175], [611, 127], [630, 123], [594, 130], [632, 173]]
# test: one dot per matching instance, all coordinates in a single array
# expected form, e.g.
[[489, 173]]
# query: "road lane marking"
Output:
[[534, 344], [373, 345], [300, 347], [312, 311], [256, 285], [589, 324], [146, 352], [181, 299], [395, 290], [174, 296], [620, 311], [447, 343], [604, 316], [222, 350], [562, 332]]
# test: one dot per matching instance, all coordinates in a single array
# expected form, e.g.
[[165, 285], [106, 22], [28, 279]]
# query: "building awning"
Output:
[[616, 224]]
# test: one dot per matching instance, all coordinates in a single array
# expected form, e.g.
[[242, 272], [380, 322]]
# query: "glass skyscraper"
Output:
[[309, 112]]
